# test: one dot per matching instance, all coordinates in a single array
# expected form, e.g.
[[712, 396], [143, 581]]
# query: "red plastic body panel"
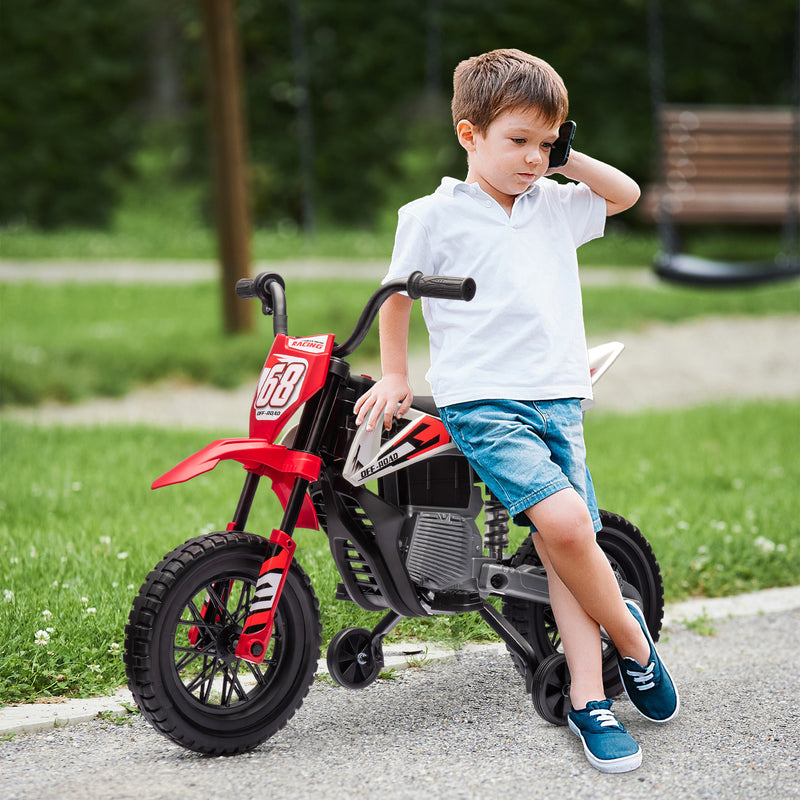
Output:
[[294, 371], [259, 456]]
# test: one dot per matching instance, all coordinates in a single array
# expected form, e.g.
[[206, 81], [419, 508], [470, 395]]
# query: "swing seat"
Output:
[[730, 165], [683, 268]]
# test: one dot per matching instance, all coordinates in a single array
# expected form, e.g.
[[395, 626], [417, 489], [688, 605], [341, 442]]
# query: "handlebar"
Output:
[[419, 285], [269, 288]]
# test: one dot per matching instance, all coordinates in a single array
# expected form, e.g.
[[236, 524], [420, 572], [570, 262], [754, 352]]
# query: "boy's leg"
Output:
[[608, 746], [565, 526], [580, 636]]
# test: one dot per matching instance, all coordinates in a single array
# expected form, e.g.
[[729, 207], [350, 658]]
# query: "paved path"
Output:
[[184, 271], [464, 728]]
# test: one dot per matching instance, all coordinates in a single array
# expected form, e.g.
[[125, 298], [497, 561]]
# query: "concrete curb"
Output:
[[28, 718]]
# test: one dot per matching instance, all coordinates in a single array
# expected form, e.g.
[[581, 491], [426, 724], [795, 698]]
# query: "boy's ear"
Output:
[[465, 131]]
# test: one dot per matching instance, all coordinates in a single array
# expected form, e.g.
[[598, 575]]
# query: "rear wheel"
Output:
[[632, 560], [181, 638]]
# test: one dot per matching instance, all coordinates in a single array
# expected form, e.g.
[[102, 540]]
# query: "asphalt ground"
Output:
[[463, 727]]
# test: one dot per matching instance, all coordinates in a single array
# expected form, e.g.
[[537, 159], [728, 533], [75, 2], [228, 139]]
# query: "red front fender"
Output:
[[278, 463]]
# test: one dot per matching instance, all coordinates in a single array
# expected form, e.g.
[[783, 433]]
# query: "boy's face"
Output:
[[511, 155]]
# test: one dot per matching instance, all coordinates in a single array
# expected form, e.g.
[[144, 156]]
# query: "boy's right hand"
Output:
[[391, 392]]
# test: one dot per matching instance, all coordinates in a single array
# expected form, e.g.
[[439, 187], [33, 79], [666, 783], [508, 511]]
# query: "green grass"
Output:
[[139, 232], [713, 488], [71, 341]]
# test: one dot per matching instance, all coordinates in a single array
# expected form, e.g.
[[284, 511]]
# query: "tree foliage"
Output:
[[380, 80], [69, 75], [348, 102]]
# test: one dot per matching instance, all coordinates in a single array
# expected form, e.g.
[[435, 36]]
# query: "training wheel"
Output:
[[352, 662], [551, 685]]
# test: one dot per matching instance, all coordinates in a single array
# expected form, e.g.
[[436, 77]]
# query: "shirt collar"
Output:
[[450, 186]]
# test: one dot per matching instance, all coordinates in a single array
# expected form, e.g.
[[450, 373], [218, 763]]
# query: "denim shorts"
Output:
[[524, 451]]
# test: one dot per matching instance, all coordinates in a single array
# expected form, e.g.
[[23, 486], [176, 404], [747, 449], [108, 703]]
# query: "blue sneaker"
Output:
[[649, 688], [608, 746]]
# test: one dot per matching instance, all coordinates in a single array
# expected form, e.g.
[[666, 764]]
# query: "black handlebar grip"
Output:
[[420, 285], [246, 288]]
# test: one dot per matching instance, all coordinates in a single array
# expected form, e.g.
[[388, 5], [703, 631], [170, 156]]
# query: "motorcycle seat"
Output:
[[425, 404]]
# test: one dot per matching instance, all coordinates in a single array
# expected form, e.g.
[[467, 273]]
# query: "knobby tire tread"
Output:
[[143, 680]]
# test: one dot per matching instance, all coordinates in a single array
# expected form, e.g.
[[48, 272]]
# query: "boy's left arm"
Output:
[[619, 190]]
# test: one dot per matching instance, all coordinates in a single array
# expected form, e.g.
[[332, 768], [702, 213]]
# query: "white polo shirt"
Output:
[[522, 336]]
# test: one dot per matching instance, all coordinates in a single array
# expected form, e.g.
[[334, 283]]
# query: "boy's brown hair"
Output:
[[502, 80]]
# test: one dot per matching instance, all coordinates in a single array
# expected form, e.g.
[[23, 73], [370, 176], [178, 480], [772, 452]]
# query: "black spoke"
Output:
[[256, 672], [243, 606], [191, 655], [209, 682], [196, 615], [199, 678], [220, 606]]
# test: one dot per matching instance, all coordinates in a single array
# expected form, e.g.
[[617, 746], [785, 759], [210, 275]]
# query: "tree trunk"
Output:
[[227, 133]]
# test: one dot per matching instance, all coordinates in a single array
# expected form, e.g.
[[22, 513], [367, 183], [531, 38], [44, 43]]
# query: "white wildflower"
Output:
[[764, 544], [41, 638], [8, 596]]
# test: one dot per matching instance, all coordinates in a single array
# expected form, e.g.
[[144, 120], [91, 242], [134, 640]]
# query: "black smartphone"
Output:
[[560, 151]]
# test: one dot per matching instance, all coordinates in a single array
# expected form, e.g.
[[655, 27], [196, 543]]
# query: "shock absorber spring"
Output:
[[495, 539]]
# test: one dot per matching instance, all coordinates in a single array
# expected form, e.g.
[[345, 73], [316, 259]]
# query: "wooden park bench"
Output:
[[726, 165]]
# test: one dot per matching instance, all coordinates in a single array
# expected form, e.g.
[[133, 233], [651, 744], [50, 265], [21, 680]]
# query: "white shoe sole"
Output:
[[622, 764]]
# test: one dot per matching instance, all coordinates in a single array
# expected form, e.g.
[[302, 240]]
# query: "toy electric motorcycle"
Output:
[[224, 636]]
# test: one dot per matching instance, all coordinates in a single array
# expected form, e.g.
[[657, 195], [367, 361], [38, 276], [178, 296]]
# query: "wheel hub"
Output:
[[225, 643]]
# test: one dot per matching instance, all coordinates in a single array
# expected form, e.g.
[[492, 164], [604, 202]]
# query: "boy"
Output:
[[509, 369]]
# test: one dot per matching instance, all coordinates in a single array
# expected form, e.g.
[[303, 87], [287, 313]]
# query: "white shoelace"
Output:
[[605, 718], [643, 678]]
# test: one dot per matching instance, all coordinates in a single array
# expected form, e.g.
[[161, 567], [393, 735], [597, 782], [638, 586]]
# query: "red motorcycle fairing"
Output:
[[295, 370], [259, 456]]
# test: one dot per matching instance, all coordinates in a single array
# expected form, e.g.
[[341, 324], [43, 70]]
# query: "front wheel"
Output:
[[180, 646]]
